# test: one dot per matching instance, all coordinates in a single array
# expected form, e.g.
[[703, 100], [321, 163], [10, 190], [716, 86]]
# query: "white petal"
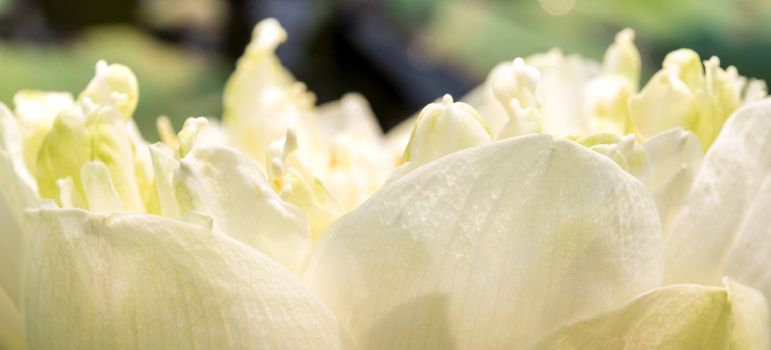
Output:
[[489, 247], [113, 84], [675, 156], [442, 128], [233, 189], [98, 281], [17, 192], [674, 317], [164, 167], [100, 192], [11, 324], [723, 222]]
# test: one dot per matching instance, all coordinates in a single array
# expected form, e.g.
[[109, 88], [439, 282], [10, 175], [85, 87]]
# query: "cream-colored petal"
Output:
[[17, 193], [674, 156], [623, 59], [35, 111], [442, 128], [137, 281], [11, 324], [164, 167], [748, 257], [664, 103], [261, 98], [723, 219], [100, 192], [489, 248], [675, 317], [234, 190], [113, 84], [563, 78], [351, 114]]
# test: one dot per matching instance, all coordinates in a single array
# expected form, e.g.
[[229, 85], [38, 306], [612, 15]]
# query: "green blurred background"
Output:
[[401, 54]]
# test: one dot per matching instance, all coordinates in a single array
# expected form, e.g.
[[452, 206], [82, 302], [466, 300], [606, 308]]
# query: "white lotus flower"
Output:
[[560, 208]]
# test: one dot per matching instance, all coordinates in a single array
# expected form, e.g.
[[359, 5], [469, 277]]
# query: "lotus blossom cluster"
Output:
[[562, 204]]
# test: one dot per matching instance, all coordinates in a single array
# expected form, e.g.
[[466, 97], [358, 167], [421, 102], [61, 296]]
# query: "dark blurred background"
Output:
[[401, 54]]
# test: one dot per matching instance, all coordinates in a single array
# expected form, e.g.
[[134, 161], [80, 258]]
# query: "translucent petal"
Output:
[[164, 166], [674, 317], [490, 247], [234, 190], [664, 103], [623, 59], [17, 192], [675, 156], [35, 111], [98, 281], [722, 226], [100, 192], [11, 324], [563, 78], [262, 99], [113, 84]]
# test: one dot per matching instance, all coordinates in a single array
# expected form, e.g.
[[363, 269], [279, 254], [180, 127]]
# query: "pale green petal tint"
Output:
[[98, 128], [114, 84], [688, 95], [675, 317], [136, 281], [721, 227], [489, 248], [234, 191], [35, 112]]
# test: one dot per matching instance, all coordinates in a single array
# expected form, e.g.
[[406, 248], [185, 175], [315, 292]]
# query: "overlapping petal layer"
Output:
[[488, 248]]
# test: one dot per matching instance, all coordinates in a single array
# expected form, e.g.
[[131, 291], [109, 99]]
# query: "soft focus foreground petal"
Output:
[[674, 156], [17, 192], [11, 324], [490, 247], [722, 226], [234, 190], [675, 317], [97, 281]]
